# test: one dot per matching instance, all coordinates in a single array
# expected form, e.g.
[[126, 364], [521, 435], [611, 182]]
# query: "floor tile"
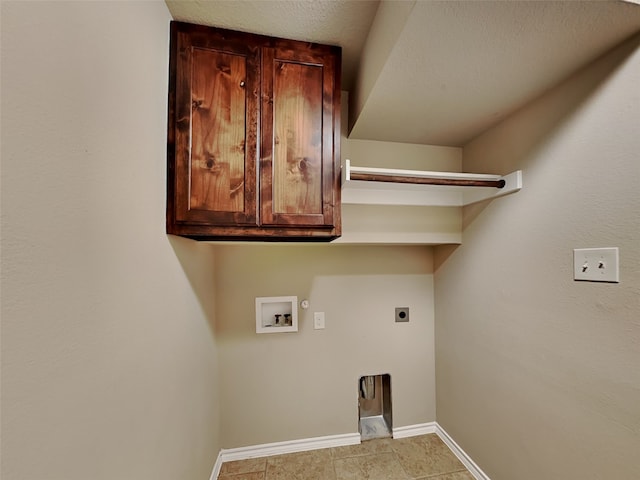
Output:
[[382, 466], [370, 447], [464, 475], [244, 476], [425, 456], [315, 465], [243, 466]]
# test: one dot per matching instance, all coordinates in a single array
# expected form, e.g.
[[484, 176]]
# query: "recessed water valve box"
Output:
[[276, 314]]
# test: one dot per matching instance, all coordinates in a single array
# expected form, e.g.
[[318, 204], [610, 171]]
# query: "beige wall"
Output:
[[108, 358], [286, 386], [537, 375]]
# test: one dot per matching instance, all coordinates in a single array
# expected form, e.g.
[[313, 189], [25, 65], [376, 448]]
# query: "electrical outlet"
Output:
[[402, 314], [596, 264]]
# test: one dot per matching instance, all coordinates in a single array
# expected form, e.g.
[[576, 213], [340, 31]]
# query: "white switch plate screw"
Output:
[[318, 320], [596, 264]]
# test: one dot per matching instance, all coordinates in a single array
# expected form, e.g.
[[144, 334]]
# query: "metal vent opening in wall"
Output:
[[374, 406]]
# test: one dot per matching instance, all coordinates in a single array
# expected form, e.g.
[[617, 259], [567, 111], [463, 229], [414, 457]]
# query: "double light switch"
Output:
[[596, 264]]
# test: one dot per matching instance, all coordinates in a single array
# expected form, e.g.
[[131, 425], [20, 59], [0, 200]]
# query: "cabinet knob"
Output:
[[241, 83]]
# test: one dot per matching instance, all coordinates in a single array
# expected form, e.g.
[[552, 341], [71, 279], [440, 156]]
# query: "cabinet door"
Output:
[[300, 129], [214, 155]]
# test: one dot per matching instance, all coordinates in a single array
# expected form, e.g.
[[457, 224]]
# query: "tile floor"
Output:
[[421, 457]]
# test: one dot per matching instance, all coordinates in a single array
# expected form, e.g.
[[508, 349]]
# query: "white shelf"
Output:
[[390, 192]]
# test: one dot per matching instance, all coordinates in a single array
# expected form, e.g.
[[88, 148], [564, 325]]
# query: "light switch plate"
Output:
[[318, 320], [596, 264]]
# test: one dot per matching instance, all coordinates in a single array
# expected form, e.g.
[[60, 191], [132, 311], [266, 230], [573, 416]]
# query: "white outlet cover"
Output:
[[596, 264]]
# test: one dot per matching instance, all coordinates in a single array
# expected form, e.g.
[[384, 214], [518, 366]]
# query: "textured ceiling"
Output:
[[435, 72], [335, 22]]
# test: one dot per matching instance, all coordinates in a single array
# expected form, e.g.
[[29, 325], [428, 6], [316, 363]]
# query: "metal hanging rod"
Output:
[[421, 177], [426, 180]]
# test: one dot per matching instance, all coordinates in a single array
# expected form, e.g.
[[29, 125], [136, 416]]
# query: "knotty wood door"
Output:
[[298, 171], [215, 128]]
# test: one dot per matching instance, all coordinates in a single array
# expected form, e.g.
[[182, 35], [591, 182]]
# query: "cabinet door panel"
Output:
[[216, 130], [297, 145], [297, 168]]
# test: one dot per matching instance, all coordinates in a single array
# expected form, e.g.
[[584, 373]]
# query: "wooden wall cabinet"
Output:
[[253, 138]]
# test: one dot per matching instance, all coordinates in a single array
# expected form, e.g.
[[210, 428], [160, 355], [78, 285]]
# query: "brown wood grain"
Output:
[[218, 131], [211, 151], [297, 117], [299, 166], [378, 177]]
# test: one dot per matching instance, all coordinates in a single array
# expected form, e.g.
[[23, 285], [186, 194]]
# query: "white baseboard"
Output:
[[461, 454], [415, 430], [303, 445], [216, 468], [279, 448]]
